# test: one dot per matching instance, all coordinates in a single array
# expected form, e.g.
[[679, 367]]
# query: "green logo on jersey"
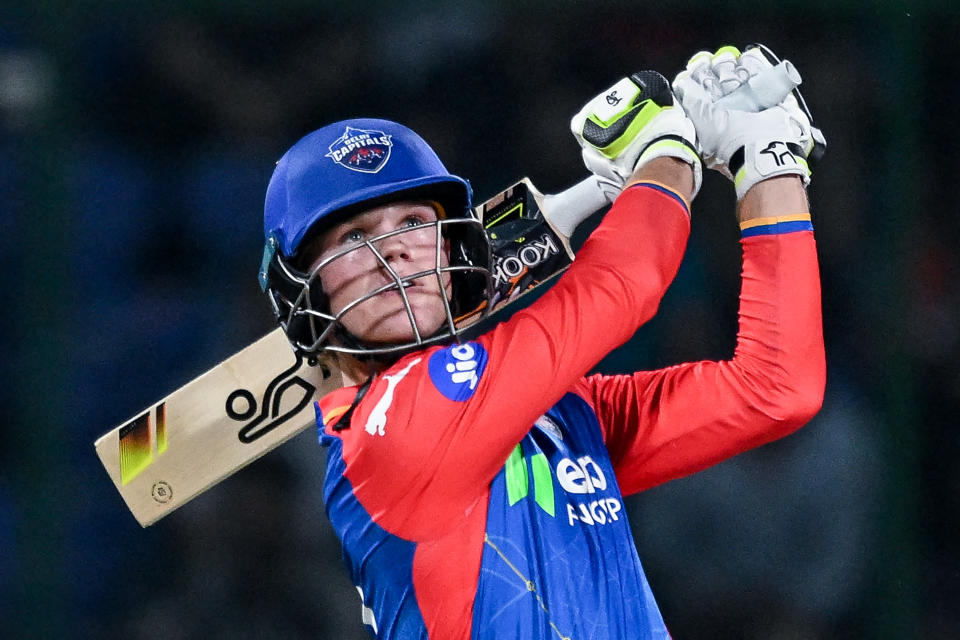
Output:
[[518, 480]]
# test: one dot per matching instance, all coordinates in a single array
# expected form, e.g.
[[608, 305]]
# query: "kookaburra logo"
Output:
[[779, 152], [531, 254], [269, 404]]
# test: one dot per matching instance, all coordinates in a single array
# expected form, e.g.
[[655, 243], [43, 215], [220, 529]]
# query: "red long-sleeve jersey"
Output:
[[478, 489]]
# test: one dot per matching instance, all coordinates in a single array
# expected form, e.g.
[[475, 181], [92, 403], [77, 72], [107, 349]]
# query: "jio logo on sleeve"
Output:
[[456, 370]]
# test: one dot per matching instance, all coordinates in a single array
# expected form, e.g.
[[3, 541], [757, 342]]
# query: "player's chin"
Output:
[[387, 321]]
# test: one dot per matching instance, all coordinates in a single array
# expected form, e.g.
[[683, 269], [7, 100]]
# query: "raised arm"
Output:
[[665, 424]]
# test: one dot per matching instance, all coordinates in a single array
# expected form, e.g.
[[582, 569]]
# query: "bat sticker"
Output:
[[269, 404], [141, 440]]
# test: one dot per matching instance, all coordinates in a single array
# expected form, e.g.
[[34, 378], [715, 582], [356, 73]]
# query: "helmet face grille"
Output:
[[303, 308]]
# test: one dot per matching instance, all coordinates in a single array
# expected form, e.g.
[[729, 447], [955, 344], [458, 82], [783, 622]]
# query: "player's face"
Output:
[[383, 319]]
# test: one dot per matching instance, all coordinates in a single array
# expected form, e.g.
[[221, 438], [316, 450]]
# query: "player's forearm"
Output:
[[780, 311]]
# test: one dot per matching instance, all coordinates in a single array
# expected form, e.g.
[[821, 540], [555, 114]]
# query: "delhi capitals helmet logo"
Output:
[[361, 150]]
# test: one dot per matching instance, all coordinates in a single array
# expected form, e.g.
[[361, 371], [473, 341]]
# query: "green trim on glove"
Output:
[[648, 111]]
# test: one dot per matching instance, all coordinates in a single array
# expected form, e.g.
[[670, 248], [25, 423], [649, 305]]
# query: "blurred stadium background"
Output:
[[136, 141]]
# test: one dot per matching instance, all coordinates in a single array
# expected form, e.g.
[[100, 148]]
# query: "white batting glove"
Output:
[[747, 147], [631, 123]]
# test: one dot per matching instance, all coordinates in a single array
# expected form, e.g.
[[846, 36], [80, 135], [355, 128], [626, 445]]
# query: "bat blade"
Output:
[[263, 395], [212, 426]]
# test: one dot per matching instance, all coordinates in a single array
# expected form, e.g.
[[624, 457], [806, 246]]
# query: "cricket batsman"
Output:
[[477, 485]]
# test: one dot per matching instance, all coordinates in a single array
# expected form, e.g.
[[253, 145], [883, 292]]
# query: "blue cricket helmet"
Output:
[[349, 163]]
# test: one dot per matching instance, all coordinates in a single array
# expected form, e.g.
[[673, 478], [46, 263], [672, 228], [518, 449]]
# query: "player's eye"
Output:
[[412, 221], [352, 236]]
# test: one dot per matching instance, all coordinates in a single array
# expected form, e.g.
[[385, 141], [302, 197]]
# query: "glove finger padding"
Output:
[[718, 73], [631, 123], [754, 61], [725, 66], [745, 146], [699, 68]]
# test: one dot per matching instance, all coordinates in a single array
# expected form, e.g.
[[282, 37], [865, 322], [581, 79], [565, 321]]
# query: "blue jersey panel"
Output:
[[559, 559]]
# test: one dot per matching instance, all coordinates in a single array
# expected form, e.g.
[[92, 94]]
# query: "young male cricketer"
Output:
[[477, 487]]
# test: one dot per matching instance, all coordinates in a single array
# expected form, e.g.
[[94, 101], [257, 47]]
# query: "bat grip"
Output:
[[567, 209], [764, 90]]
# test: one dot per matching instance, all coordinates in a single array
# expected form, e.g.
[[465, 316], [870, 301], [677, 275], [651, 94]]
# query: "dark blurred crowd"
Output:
[[136, 142]]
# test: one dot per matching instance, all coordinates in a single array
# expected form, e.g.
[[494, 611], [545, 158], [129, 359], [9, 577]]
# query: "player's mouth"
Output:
[[418, 287], [409, 287]]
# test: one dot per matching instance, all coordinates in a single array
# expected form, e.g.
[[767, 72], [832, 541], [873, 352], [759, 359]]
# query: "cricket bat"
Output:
[[263, 395]]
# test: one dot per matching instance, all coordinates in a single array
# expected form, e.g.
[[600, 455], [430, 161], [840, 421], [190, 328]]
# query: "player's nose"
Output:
[[395, 247]]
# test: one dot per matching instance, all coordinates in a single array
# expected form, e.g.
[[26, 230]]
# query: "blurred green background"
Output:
[[136, 141]]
